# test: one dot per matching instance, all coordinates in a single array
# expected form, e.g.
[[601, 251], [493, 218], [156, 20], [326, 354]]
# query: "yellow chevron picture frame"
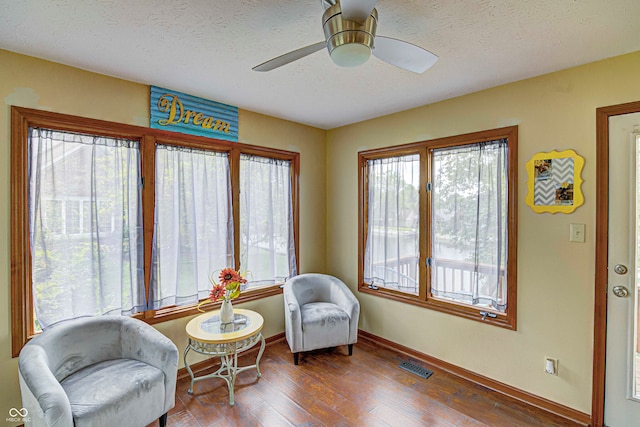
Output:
[[555, 182]]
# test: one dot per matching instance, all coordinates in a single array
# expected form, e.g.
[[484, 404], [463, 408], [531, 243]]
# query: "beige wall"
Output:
[[34, 83], [555, 277]]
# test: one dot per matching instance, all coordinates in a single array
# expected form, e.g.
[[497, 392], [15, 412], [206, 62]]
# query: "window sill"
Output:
[[175, 312], [460, 310]]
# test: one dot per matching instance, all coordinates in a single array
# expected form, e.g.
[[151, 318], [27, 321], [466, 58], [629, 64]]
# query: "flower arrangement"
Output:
[[227, 287]]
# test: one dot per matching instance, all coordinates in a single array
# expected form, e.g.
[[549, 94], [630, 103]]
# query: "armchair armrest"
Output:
[[42, 394], [143, 342], [345, 299], [293, 319]]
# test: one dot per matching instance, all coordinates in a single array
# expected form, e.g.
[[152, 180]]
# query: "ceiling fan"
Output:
[[350, 32]]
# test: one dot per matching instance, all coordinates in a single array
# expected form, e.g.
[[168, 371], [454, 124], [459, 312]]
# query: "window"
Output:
[[193, 224], [118, 219], [74, 253], [469, 223], [438, 224], [394, 230], [267, 247]]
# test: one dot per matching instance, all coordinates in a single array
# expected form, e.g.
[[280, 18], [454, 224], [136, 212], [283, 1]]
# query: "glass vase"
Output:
[[226, 312]]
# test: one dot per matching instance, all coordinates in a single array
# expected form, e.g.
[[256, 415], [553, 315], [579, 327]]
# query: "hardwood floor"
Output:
[[329, 388]]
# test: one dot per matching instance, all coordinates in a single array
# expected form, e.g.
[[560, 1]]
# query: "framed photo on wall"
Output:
[[555, 182]]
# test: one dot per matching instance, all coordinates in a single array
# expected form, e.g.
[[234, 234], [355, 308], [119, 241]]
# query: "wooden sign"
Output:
[[179, 112]]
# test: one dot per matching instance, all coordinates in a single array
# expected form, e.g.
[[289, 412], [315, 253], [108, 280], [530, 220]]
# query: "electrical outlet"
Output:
[[551, 365]]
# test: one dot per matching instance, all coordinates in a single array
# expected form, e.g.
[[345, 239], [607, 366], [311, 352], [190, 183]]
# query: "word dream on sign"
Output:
[[179, 112]]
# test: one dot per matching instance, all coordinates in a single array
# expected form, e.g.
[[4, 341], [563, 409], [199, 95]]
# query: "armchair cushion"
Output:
[[324, 325], [100, 395]]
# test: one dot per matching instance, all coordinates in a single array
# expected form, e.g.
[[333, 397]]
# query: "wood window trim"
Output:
[[507, 320], [24, 118]]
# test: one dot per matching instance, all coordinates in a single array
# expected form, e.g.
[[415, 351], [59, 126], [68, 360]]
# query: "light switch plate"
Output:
[[576, 233]]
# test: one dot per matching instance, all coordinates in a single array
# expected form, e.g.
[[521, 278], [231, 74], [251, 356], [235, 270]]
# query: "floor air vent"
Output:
[[415, 369]]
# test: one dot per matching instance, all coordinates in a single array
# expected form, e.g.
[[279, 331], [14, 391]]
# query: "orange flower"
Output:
[[217, 292], [229, 275], [228, 287]]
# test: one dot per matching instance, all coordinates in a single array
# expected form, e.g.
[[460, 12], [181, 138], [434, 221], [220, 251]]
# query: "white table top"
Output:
[[206, 328]]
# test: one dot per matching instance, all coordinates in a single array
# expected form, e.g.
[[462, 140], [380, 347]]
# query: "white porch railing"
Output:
[[451, 276]]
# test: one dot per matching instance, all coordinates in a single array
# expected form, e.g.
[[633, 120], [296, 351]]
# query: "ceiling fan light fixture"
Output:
[[350, 54], [349, 43]]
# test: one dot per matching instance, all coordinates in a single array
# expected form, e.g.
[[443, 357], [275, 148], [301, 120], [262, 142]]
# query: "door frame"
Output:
[[602, 255]]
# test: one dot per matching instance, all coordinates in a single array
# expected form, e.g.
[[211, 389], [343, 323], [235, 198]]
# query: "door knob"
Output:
[[620, 291]]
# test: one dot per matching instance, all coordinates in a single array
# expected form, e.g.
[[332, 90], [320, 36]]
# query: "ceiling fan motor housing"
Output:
[[349, 43]]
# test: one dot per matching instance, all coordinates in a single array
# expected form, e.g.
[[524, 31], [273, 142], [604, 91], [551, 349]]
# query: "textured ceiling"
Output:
[[208, 47]]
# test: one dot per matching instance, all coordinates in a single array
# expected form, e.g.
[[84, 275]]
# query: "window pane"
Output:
[[193, 224], [267, 250], [106, 219], [87, 207], [72, 211], [469, 214], [391, 254], [52, 217], [77, 270]]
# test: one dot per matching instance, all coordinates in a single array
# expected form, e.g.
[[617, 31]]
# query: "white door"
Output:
[[622, 391]]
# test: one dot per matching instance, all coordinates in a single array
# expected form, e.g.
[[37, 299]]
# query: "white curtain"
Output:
[[193, 224], [86, 226], [392, 252], [267, 249], [470, 224]]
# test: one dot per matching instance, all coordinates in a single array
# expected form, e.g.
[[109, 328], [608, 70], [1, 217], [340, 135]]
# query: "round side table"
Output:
[[207, 335]]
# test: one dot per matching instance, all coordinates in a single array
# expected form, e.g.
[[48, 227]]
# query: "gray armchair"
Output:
[[98, 371], [320, 312]]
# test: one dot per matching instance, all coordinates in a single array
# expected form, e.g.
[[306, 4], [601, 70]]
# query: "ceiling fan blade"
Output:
[[403, 54], [289, 57], [357, 10]]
